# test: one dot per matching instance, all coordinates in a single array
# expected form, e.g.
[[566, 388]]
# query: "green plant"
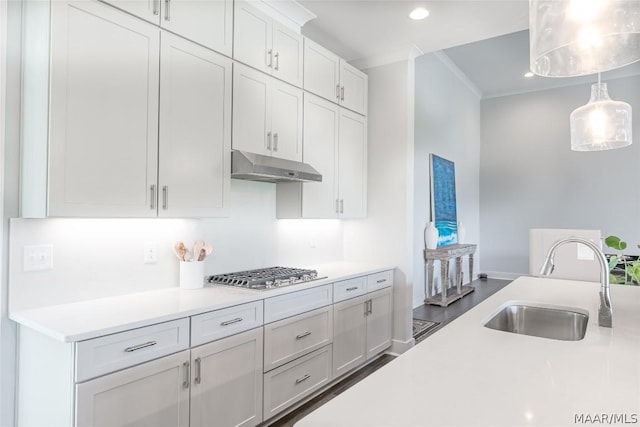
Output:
[[631, 267]]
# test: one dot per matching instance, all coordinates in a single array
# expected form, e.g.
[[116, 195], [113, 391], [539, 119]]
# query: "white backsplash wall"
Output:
[[95, 258]]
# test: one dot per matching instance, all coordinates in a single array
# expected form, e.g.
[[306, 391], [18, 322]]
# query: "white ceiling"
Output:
[[364, 29], [487, 40], [496, 66]]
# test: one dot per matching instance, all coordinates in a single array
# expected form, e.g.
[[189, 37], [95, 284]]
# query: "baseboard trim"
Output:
[[503, 275], [399, 347]]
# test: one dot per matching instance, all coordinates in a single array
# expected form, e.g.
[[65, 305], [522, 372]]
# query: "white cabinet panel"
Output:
[[349, 335], [320, 142], [354, 90], [296, 336], [288, 51], [227, 381], [346, 289], [286, 121], [267, 45], [103, 111], [321, 71], [251, 112], [292, 382], [379, 322], [195, 130], [155, 393], [380, 280], [207, 22], [110, 353], [207, 327], [287, 305], [252, 37], [352, 165], [267, 115]]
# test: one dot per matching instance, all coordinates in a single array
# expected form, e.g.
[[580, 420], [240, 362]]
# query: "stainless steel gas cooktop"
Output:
[[265, 278]]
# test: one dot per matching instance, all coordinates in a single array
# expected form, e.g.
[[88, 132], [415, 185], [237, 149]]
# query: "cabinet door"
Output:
[[227, 381], [195, 130], [286, 121], [251, 117], [252, 38], [353, 93], [379, 321], [207, 22], [349, 335], [155, 393], [321, 119], [103, 134], [352, 165], [287, 54], [148, 10], [321, 71]]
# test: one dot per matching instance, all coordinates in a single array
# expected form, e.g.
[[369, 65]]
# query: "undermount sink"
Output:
[[545, 322]]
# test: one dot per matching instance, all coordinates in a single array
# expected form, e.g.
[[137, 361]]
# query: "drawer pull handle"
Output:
[[198, 378], [352, 289], [187, 374], [232, 321], [140, 346], [381, 281], [306, 334], [303, 379]]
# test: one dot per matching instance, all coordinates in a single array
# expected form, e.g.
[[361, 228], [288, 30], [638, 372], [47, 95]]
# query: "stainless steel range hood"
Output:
[[256, 167]]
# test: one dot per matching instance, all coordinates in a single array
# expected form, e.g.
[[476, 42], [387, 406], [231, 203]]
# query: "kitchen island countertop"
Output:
[[88, 319], [468, 375]]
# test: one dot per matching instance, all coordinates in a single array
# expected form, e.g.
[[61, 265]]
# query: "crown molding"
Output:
[[288, 12]]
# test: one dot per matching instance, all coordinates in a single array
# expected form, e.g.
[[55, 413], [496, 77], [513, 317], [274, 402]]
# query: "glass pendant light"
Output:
[[579, 37], [602, 124]]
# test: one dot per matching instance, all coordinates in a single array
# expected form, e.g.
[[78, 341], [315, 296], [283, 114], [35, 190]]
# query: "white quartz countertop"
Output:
[[469, 375], [89, 319]]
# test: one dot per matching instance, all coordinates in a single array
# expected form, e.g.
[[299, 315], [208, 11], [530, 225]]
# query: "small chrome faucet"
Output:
[[605, 310]]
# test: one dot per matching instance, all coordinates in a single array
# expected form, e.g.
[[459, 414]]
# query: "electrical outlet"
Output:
[[38, 258], [150, 253]]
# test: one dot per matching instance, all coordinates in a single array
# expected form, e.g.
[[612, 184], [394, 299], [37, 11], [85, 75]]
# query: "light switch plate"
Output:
[[38, 258], [150, 253]]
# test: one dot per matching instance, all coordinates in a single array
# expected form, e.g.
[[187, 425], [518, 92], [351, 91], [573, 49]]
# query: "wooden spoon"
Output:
[[197, 248], [180, 250]]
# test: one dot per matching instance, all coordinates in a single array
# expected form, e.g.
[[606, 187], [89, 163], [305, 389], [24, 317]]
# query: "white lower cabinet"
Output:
[[227, 381], [296, 380], [155, 393], [362, 329]]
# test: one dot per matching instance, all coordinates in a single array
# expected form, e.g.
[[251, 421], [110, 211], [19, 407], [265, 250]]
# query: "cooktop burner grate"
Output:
[[265, 278]]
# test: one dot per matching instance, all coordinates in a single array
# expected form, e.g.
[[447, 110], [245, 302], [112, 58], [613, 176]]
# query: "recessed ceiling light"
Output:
[[419, 13], [528, 74]]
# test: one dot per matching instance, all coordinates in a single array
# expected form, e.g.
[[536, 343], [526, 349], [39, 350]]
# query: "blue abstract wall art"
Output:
[[443, 200]]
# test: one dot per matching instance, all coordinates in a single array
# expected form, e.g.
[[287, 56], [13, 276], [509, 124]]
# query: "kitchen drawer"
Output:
[[296, 336], [288, 384], [222, 323], [111, 353], [293, 303], [346, 289], [380, 280]]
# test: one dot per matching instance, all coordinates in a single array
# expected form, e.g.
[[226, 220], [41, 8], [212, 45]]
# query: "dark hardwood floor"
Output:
[[433, 313]]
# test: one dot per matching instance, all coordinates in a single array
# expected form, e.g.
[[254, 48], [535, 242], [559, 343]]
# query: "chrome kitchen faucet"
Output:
[[605, 310]]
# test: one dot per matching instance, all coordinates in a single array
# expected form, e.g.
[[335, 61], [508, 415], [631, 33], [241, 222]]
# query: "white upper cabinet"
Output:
[[103, 112], [335, 143], [331, 77], [95, 131], [207, 22], [265, 44], [267, 115], [321, 127], [352, 165], [195, 130]]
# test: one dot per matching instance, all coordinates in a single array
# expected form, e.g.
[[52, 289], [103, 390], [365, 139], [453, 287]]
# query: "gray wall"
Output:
[[447, 123], [530, 178]]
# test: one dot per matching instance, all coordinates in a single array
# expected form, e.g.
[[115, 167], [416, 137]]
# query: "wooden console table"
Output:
[[444, 254]]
